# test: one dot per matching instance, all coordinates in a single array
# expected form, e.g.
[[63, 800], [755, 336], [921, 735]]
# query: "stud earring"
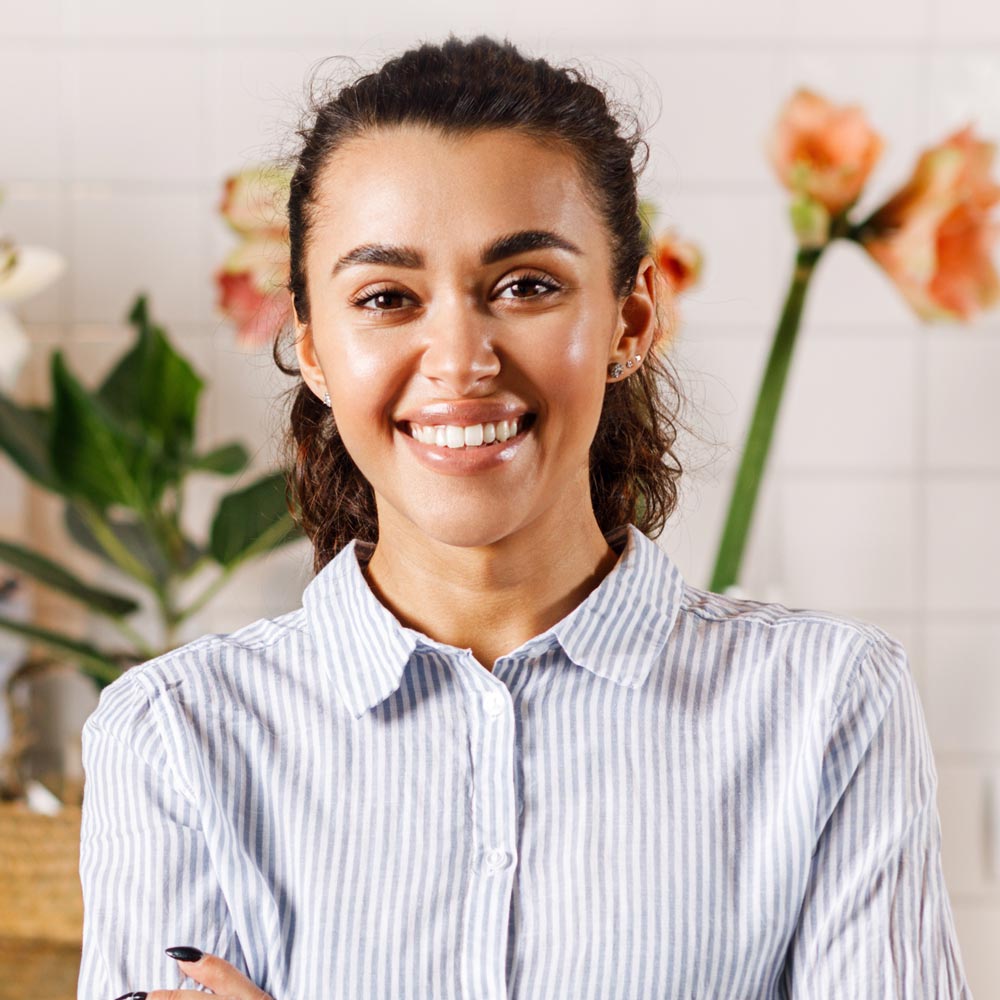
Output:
[[632, 362], [615, 369], [326, 398]]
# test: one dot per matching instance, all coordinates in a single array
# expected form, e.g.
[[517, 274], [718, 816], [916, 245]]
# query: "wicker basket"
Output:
[[39, 872], [38, 970]]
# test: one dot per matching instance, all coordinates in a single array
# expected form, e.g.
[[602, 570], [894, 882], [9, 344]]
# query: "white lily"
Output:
[[33, 269]]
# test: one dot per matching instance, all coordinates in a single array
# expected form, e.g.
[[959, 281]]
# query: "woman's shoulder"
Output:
[[214, 667], [841, 651]]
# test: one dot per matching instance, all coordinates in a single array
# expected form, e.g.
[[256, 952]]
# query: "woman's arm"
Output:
[[876, 920], [147, 875]]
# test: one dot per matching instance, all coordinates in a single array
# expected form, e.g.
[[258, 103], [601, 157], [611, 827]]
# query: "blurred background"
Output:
[[120, 121]]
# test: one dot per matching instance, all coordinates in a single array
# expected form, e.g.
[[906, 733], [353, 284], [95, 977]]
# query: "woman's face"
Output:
[[457, 284]]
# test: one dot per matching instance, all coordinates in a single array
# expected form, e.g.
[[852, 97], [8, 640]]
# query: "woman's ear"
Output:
[[637, 321], [309, 366]]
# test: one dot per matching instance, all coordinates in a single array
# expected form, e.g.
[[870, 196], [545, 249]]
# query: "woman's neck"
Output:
[[494, 598]]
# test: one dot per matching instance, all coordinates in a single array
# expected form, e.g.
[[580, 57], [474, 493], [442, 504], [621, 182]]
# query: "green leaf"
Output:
[[55, 576], [94, 457], [89, 658], [153, 393], [227, 459], [24, 436], [251, 521], [153, 390], [135, 537]]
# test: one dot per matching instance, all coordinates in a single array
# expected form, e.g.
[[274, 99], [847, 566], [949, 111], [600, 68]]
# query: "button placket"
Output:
[[494, 703], [494, 829]]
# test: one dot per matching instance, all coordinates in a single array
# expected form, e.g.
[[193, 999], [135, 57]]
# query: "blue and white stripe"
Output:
[[668, 794]]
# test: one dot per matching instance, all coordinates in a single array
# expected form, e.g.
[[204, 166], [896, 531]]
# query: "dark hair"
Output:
[[461, 87]]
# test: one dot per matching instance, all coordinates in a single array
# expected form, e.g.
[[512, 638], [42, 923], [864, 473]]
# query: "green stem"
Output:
[[264, 543], [117, 552], [126, 630], [758, 440], [207, 594]]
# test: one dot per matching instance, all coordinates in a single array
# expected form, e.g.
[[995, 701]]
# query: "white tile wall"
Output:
[[127, 240], [963, 686], [35, 143], [898, 21], [138, 114], [962, 543], [882, 494], [960, 380], [687, 138]]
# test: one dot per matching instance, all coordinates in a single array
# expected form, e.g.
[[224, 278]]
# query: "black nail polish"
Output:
[[132, 996], [185, 954]]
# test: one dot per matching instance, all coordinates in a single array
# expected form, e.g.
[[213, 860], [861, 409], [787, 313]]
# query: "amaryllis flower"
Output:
[[679, 260], [255, 200], [252, 286], [679, 264], [823, 151], [252, 282], [934, 236], [24, 272]]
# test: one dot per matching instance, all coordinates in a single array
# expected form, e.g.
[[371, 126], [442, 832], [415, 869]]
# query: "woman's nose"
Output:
[[459, 352]]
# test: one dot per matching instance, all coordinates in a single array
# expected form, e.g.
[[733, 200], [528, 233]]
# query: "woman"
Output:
[[503, 749]]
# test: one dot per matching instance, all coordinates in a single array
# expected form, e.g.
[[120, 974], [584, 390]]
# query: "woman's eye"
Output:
[[379, 296], [529, 282]]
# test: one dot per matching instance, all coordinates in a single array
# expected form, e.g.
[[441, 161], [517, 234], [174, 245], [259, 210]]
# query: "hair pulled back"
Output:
[[462, 87]]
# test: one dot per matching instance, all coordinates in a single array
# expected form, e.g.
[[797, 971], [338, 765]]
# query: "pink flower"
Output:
[[252, 283], [679, 260], [255, 200], [679, 264], [823, 151], [252, 287], [934, 236]]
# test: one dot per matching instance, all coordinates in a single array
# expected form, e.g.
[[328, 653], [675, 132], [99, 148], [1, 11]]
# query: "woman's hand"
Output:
[[225, 981]]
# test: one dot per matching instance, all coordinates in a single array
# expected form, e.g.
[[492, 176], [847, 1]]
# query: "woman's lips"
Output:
[[470, 458], [467, 435]]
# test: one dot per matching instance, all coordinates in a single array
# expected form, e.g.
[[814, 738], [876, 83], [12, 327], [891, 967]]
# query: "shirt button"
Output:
[[496, 859], [494, 703]]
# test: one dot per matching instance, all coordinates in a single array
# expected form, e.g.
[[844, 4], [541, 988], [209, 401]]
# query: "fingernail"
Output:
[[132, 996], [185, 954]]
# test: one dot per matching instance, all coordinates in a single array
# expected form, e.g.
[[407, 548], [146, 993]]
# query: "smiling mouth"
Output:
[[469, 436]]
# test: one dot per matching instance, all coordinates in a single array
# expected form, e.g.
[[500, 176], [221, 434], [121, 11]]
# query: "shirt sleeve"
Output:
[[147, 876], [876, 921]]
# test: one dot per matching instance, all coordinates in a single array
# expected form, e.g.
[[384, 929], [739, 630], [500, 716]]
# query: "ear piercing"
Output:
[[615, 369], [326, 398]]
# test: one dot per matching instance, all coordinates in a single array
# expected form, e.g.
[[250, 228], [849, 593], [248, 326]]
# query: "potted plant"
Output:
[[119, 458]]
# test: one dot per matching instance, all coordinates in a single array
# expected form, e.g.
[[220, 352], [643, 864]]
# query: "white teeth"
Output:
[[472, 436]]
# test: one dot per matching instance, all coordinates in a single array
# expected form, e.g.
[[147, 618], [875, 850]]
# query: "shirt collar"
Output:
[[617, 632]]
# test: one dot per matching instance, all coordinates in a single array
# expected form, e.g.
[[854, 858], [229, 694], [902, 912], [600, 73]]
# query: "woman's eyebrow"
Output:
[[502, 247]]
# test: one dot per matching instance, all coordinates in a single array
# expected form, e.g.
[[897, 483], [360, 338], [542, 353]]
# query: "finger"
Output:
[[179, 995], [220, 977]]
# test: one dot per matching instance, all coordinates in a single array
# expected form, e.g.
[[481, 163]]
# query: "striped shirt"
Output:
[[668, 794]]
